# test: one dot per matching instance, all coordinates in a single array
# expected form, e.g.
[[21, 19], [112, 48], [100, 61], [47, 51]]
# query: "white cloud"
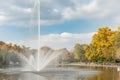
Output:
[[56, 10], [18, 12], [81, 10], [57, 41], [76, 9], [2, 18], [29, 10], [65, 35], [95, 9]]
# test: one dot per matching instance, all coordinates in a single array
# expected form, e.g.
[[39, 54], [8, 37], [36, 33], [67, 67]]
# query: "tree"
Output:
[[79, 52], [117, 43], [117, 38], [104, 37], [90, 52], [102, 44]]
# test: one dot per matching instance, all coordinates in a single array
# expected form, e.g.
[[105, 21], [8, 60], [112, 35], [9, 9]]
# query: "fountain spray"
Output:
[[38, 19]]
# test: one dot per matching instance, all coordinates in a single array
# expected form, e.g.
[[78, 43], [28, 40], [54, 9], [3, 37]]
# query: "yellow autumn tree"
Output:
[[90, 52], [104, 37], [102, 45]]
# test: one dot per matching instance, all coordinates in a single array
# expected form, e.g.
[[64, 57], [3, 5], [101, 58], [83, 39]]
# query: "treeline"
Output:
[[104, 47], [8, 53], [12, 47]]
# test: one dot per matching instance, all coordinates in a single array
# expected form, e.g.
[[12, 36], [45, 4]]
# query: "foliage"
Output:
[[7, 53], [117, 39], [79, 52], [117, 43], [101, 48]]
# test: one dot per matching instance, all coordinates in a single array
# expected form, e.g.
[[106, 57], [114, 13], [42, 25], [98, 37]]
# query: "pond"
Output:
[[66, 73]]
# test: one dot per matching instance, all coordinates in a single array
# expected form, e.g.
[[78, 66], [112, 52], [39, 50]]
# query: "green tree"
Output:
[[79, 52], [117, 38], [117, 43]]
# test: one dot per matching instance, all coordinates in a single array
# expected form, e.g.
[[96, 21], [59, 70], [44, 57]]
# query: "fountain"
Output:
[[30, 63], [38, 58]]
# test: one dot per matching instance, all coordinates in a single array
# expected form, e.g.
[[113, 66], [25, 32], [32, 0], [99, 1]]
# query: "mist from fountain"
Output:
[[30, 63]]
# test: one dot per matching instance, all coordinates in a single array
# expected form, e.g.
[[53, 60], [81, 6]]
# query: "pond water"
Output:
[[67, 73]]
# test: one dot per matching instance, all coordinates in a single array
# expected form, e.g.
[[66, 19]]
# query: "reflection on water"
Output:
[[31, 76], [106, 74]]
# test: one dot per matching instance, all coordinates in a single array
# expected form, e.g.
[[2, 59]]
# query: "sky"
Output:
[[63, 23]]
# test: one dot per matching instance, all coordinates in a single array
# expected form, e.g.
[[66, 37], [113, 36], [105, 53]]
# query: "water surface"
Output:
[[67, 73]]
